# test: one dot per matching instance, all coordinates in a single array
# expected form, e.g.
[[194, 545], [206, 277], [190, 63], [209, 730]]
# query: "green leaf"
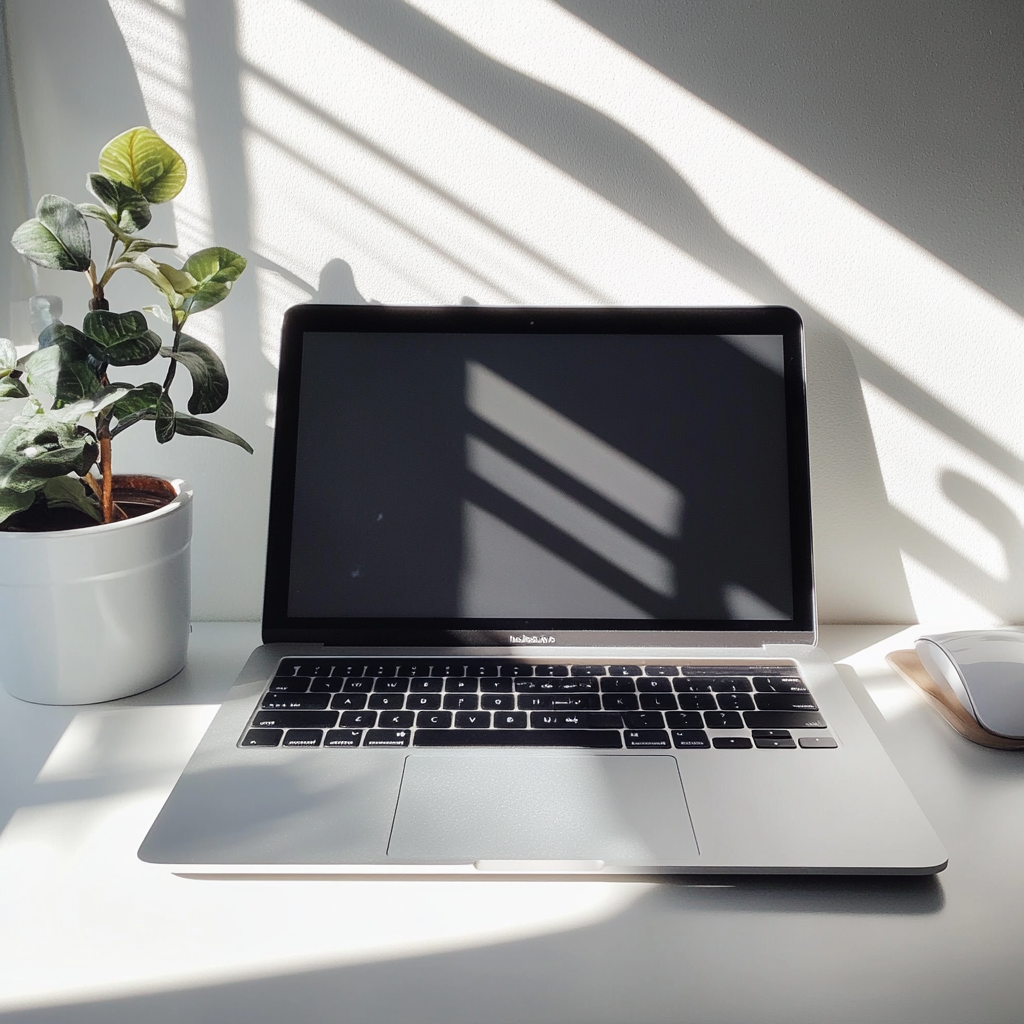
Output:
[[164, 419], [105, 397], [193, 427], [140, 159], [12, 387], [57, 237], [14, 501], [61, 370], [209, 378], [122, 339], [140, 245], [142, 398], [214, 270], [150, 269], [131, 208], [38, 447], [70, 492]]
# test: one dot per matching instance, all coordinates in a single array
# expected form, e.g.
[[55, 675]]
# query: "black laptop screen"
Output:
[[537, 480]]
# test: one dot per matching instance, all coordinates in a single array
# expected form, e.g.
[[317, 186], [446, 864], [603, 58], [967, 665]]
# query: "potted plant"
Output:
[[94, 567]]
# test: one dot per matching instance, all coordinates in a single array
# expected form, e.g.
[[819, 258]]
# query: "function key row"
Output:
[[496, 668]]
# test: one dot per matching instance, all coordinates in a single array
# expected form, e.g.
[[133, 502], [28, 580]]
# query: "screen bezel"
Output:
[[279, 626]]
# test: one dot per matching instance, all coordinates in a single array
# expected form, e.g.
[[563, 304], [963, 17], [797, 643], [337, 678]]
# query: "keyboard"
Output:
[[398, 702]]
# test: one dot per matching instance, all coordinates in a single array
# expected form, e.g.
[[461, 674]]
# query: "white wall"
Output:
[[861, 162]]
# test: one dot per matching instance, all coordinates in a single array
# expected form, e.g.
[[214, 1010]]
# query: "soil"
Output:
[[134, 494]]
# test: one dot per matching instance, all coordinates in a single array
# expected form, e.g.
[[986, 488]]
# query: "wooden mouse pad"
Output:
[[909, 666]]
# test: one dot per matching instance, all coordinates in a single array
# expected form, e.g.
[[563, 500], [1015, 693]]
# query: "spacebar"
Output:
[[516, 738]]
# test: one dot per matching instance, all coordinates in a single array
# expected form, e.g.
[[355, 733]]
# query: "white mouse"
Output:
[[985, 669]]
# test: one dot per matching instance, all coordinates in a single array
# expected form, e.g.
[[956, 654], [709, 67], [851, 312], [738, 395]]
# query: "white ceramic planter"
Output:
[[98, 613]]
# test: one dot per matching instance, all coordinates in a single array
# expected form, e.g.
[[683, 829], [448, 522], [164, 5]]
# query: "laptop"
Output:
[[539, 600]]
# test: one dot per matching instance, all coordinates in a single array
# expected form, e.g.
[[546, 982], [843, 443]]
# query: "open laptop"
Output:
[[539, 598]]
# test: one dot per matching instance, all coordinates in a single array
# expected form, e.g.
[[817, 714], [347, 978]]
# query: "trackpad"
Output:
[[625, 810]]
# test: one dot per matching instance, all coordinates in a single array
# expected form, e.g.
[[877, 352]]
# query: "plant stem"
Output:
[[174, 362], [107, 496]]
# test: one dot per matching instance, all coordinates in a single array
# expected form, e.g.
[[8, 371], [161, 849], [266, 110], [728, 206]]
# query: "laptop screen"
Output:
[[453, 473]]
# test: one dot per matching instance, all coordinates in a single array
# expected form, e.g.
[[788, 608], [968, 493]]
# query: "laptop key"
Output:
[[386, 738], [731, 743], [387, 701], [783, 720], [395, 720], [684, 720], [662, 670], [697, 702], [785, 702], [587, 670], [268, 719], [434, 720], [262, 737], [348, 701], [396, 685], [575, 720], [723, 719], [625, 670], [556, 686], [303, 738], [285, 684], [472, 719], [692, 685], [550, 670], [325, 685], [297, 701], [495, 685], [482, 668], [465, 684], [589, 738], [658, 702], [653, 684], [357, 685], [426, 685], [423, 701], [342, 737], [644, 720], [690, 738], [617, 685], [559, 702], [461, 701], [620, 702], [735, 702], [498, 701], [510, 720], [639, 738], [358, 719], [770, 743]]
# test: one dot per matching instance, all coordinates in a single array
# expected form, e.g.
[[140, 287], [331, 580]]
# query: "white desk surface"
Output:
[[89, 934]]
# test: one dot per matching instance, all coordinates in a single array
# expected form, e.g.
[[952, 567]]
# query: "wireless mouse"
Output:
[[985, 670]]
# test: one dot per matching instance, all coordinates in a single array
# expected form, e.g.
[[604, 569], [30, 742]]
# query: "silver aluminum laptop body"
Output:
[[593, 526]]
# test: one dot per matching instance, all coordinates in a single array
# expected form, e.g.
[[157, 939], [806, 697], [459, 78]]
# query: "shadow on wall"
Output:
[[863, 563], [860, 568]]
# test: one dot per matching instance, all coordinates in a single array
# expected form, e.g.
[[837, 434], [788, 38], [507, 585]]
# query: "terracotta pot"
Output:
[[100, 612]]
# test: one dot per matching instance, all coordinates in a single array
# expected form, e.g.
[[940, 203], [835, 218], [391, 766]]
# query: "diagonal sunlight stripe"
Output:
[[575, 451], [579, 522], [863, 275]]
